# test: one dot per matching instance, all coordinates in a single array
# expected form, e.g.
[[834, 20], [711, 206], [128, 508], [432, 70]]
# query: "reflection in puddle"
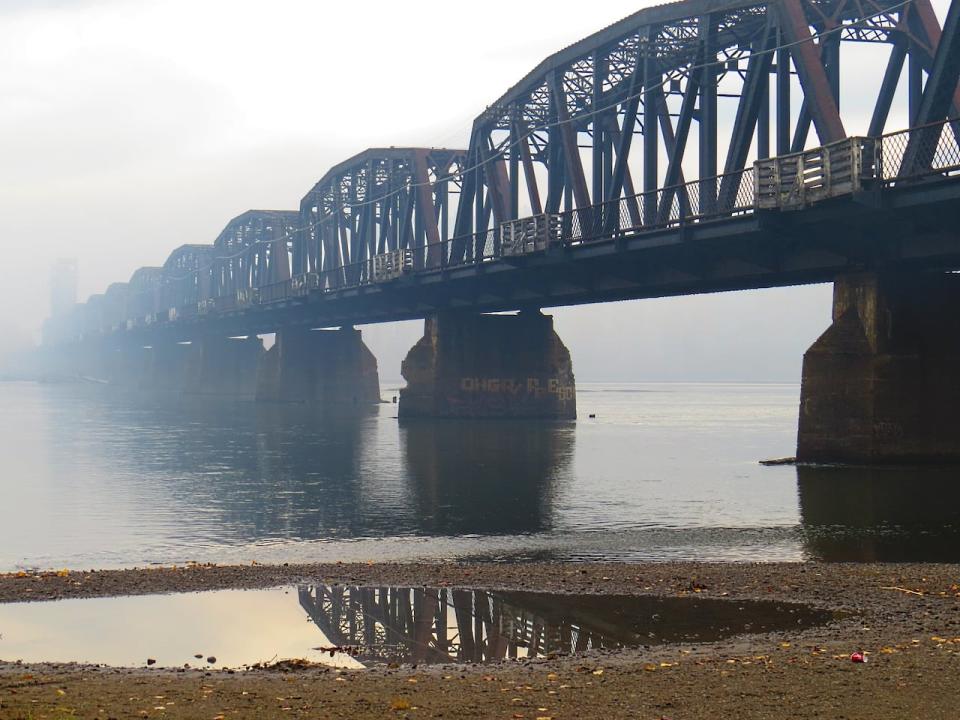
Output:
[[357, 627], [428, 625]]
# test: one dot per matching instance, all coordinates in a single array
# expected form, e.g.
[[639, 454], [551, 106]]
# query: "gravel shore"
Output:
[[906, 618]]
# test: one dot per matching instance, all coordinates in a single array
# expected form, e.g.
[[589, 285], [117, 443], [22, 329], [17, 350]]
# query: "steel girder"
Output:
[[379, 201], [115, 301], [91, 315], [144, 296], [565, 131], [938, 96], [185, 280], [253, 250]]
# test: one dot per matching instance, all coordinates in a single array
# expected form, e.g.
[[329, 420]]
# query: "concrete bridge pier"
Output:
[[324, 367], [472, 365], [224, 366], [881, 385], [128, 365], [87, 358], [169, 366]]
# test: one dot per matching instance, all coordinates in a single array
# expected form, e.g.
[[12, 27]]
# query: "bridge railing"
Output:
[[275, 292], [466, 250], [721, 196], [798, 179], [922, 152]]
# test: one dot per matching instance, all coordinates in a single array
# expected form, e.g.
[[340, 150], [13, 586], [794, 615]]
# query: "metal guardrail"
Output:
[[275, 292], [694, 202], [936, 150]]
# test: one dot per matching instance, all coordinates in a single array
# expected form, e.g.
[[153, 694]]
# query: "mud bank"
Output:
[[906, 618]]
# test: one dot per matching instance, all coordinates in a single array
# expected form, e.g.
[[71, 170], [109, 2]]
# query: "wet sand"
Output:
[[906, 618]]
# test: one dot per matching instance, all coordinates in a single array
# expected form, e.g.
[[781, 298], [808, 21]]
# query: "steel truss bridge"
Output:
[[696, 146], [383, 625], [427, 625]]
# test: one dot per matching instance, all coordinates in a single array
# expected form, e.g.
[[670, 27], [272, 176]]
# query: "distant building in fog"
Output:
[[63, 287]]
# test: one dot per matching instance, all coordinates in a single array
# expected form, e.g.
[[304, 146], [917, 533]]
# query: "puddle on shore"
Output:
[[354, 627]]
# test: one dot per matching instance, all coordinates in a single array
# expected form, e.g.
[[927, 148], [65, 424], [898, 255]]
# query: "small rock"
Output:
[[211, 659], [151, 661]]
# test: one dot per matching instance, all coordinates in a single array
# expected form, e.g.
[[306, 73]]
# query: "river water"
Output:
[[91, 478]]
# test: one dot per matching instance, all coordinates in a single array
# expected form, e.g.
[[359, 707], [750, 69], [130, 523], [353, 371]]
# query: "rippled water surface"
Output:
[[91, 478]]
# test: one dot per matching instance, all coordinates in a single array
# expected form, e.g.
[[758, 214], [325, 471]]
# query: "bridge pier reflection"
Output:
[[880, 514], [475, 477], [473, 365], [880, 385]]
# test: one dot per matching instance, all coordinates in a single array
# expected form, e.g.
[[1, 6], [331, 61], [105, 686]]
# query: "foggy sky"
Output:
[[130, 128]]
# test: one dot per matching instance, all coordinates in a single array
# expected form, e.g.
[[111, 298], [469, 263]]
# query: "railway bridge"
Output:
[[692, 147]]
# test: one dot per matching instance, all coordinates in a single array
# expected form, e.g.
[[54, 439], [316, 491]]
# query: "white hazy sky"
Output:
[[129, 127]]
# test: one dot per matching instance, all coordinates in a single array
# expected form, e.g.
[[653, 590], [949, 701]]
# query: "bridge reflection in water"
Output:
[[477, 477], [440, 625], [226, 481], [880, 514], [265, 472]]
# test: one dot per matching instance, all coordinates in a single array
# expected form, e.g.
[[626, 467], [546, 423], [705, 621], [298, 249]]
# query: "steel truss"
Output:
[[617, 134], [253, 251], [563, 138], [416, 625], [383, 200]]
